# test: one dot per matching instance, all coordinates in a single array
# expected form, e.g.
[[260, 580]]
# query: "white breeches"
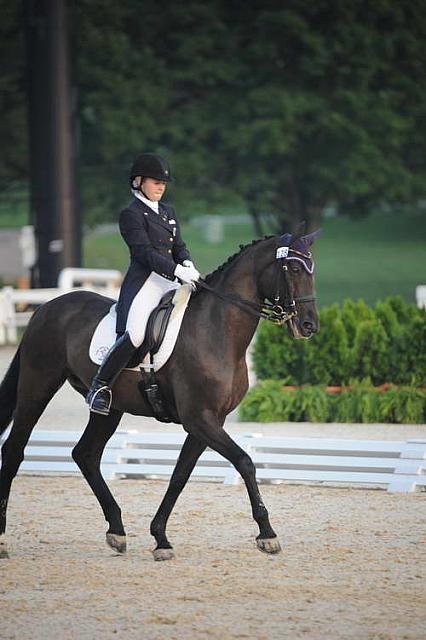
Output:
[[147, 298]]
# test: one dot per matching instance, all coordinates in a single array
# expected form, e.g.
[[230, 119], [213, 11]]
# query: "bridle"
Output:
[[279, 311]]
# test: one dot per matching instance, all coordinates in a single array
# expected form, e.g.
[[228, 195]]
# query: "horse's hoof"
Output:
[[163, 554], [268, 545], [116, 542], [3, 548]]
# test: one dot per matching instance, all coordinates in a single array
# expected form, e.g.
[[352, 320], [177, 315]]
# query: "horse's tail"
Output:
[[9, 392]]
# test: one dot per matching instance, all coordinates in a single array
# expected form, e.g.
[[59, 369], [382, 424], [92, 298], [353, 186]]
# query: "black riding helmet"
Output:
[[150, 165]]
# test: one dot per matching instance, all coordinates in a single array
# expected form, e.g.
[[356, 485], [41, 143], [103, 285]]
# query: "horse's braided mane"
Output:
[[231, 259]]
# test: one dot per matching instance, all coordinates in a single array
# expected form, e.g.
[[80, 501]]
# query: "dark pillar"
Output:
[[54, 202]]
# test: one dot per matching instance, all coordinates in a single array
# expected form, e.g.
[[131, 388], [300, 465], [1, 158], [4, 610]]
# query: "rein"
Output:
[[279, 312]]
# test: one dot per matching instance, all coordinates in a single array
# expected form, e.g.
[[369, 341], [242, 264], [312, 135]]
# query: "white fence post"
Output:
[[10, 315], [421, 296], [3, 337]]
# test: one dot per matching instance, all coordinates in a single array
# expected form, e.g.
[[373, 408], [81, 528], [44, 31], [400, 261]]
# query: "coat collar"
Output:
[[161, 218], [140, 196]]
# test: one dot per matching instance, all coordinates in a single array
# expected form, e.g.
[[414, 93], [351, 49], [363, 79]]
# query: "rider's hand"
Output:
[[187, 274], [189, 263]]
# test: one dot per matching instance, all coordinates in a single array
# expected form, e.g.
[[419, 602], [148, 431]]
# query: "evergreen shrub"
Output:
[[386, 343], [357, 345], [270, 401]]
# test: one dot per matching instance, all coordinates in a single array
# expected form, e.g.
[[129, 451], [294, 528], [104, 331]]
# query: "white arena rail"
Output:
[[14, 303], [109, 280], [396, 465]]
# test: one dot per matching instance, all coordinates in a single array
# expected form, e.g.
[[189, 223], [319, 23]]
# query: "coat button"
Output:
[[171, 239], [169, 250]]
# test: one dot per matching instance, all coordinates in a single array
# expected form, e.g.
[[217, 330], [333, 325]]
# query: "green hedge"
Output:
[[385, 343], [270, 402]]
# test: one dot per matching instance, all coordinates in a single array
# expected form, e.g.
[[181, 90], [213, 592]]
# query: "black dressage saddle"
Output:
[[155, 329]]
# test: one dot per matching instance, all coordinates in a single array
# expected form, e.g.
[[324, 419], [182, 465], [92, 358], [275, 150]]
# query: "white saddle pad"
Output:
[[105, 335]]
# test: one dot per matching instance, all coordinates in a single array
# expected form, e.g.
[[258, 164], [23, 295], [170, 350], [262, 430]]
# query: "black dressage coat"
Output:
[[155, 244]]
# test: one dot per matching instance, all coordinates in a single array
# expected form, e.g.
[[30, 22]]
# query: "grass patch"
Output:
[[371, 258]]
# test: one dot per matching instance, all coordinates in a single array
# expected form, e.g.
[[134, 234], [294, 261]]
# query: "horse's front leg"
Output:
[[216, 438], [191, 451]]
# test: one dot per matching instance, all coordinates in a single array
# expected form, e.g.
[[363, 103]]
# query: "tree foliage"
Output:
[[13, 138], [273, 107]]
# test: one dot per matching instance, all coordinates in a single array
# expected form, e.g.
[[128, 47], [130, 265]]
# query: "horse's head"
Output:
[[289, 283]]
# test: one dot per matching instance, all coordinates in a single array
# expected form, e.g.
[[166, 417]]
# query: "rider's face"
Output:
[[153, 189]]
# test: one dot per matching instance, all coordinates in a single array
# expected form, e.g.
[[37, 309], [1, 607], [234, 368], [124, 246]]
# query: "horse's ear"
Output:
[[298, 232], [311, 237]]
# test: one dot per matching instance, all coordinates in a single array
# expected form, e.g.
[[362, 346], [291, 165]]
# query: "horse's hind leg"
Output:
[[216, 438], [33, 396], [191, 451], [87, 454]]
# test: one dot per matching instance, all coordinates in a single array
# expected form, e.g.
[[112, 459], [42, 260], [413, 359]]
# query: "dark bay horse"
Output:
[[202, 382]]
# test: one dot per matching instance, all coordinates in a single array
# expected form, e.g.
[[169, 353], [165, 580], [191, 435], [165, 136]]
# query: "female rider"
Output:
[[158, 256]]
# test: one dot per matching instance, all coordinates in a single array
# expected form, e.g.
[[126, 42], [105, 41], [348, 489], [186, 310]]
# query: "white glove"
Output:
[[187, 274], [189, 263]]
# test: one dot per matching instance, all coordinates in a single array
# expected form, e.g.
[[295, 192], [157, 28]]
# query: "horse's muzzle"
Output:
[[303, 328]]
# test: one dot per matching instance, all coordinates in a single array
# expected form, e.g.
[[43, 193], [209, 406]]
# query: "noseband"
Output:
[[280, 311]]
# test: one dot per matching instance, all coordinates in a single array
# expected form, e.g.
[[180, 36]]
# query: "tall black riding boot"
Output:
[[99, 397]]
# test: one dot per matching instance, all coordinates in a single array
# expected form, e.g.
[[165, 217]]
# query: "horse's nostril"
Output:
[[309, 328]]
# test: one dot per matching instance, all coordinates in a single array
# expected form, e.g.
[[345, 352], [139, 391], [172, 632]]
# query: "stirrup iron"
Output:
[[101, 400]]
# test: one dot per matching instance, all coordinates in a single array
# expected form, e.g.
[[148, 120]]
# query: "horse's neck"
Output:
[[237, 325], [240, 279]]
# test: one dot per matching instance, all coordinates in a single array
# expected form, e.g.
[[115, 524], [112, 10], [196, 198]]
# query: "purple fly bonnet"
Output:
[[298, 249]]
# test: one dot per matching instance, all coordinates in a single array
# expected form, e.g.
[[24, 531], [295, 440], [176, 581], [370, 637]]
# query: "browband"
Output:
[[283, 253]]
